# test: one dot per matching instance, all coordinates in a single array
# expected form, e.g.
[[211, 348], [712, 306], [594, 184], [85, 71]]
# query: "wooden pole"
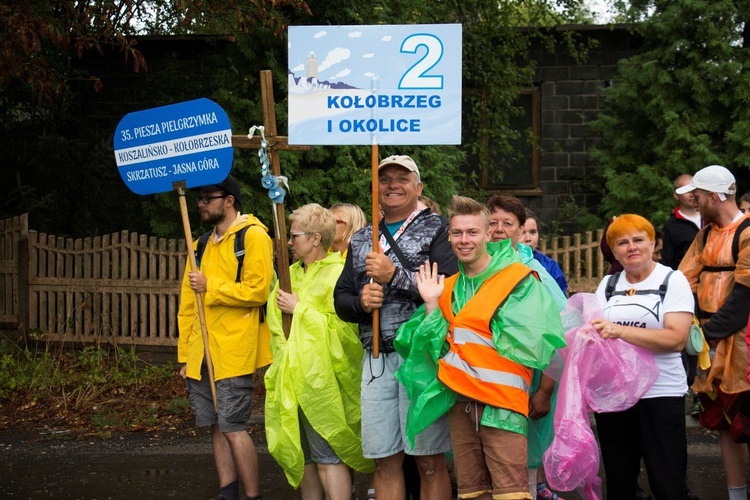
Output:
[[375, 244], [282, 255], [181, 189]]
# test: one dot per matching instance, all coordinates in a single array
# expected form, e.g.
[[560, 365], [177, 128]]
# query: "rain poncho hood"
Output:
[[421, 341], [237, 339], [318, 370]]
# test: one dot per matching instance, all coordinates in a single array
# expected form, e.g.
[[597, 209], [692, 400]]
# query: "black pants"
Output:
[[653, 429]]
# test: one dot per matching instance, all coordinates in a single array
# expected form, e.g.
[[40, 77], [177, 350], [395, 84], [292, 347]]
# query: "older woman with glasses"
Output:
[[650, 306], [312, 400]]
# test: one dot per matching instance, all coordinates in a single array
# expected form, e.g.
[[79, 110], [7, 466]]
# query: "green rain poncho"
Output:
[[318, 369], [527, 329], [541, 431]]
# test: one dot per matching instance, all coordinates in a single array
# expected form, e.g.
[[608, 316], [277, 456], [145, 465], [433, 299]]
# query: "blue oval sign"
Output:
[[188, 141]]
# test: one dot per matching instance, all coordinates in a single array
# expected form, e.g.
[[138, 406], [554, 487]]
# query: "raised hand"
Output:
[[430, 285]]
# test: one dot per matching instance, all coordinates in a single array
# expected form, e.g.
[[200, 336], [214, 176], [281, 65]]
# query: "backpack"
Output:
[[239, 249], [609, 291], [735, 247]]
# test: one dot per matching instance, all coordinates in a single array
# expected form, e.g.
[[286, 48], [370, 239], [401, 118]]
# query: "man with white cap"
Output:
[[717, 266], [385, 280]]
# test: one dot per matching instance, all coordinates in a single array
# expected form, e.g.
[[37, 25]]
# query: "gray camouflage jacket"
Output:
[[426, 238]]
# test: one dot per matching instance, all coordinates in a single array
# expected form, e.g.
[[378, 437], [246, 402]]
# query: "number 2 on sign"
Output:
[[416, 77]]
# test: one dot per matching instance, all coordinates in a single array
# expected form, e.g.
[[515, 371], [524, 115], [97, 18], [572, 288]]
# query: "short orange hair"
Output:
[[628, 223]]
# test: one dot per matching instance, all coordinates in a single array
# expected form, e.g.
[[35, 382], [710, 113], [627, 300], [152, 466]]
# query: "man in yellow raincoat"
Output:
[[238, 338], [717, 265]]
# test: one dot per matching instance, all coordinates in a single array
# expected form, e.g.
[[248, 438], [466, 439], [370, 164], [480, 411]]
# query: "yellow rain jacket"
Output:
[[318, 369], [238, 342], [729, 364]]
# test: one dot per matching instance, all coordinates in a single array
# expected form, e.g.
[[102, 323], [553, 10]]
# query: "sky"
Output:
[[599, 8]]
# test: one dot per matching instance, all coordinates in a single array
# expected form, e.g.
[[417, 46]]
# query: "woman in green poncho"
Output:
[[312, 388]]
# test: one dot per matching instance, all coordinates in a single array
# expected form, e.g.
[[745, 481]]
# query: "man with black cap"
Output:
[[234, 296], [717, 265], [386, 280]]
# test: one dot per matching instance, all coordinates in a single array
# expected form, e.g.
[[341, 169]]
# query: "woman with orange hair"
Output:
[[650, 306]]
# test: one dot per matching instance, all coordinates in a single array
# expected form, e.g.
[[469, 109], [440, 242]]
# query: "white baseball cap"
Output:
[[402, 161], [714, 179]]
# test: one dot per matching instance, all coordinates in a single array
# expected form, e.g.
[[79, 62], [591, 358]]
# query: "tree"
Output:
[[679, 105], [61, 159]]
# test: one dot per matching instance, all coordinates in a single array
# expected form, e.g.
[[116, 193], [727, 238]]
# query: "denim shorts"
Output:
[[234, 400], [314, 448], [384, 407]]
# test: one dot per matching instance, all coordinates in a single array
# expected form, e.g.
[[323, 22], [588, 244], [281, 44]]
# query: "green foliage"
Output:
[[59, 154], [74, 379], [679, 105]]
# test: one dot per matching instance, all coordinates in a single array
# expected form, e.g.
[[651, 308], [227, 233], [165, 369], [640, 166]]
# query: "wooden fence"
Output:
[[581, 261], [124, 287]]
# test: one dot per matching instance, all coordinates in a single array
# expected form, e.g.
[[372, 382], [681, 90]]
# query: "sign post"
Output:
[[275, 143], [375, 85], [179, 146]]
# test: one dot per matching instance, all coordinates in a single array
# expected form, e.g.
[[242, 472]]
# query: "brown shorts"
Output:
[[487, 460], [721, 412]]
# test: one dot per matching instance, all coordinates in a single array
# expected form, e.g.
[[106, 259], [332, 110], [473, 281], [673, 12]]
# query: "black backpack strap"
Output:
[[705, 234], [611, 283], [735, 249], [661, 292], [736, 241], [239, 251], [201, 247], [664, 285]]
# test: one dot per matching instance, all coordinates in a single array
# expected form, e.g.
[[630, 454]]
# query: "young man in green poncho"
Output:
[[470, 351]]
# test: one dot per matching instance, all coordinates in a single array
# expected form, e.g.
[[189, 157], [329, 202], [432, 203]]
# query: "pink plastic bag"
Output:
[[599, 375]]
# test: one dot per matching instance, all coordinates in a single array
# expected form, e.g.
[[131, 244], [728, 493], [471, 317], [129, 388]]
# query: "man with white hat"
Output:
[[386, 280], [717, 266]]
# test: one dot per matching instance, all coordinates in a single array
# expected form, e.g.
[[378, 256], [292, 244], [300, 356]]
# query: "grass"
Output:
[[98, 390]]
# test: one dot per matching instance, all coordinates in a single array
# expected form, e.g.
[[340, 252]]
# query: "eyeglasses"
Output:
[[205, 200], [294, 235]]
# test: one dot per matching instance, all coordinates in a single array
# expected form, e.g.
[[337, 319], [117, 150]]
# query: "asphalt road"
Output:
[[153, 466]]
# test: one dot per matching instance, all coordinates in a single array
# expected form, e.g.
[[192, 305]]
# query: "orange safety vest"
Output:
[[472, 367]]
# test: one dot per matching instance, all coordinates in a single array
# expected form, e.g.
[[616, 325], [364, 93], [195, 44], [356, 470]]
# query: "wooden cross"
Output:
[[275, 142]]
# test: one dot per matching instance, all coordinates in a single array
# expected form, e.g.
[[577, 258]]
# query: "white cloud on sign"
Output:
[[355, 34], [334, 57], [320, 34], [369, 55], [343, 73]]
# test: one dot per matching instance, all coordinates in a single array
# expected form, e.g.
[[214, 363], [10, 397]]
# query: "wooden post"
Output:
[[375, 244], [275, 142]]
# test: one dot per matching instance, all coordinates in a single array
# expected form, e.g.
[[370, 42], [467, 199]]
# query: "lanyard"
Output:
[[384, 245]]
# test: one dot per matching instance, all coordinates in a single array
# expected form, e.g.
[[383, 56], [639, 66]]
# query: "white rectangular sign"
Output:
[[384, 84]]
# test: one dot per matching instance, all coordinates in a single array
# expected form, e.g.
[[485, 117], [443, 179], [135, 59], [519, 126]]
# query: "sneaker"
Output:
[[695, 409], [544, 493], [641, 495]]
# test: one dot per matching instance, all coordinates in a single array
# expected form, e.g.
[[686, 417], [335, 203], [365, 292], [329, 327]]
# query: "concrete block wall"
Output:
[[571, 95]]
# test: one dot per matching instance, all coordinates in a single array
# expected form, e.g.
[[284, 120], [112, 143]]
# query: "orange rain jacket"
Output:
[[729, 366]]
